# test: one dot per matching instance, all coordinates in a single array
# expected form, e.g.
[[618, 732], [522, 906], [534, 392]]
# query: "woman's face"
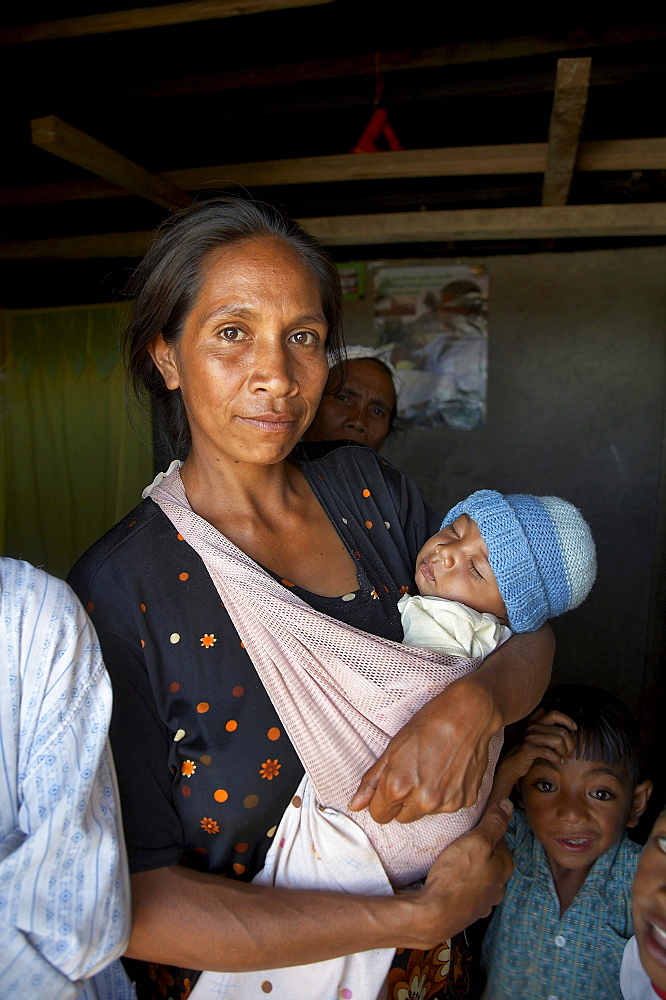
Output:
[[251, 360], [358, 408]]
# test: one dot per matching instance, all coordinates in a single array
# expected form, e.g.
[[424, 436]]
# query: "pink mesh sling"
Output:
[[341, 693]]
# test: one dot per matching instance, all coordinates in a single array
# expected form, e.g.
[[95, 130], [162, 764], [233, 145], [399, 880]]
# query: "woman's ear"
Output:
[[639, 802], [164, 356]]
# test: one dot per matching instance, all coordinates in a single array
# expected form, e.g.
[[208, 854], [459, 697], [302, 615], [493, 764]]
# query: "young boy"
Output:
[[643, 973], [498, 561], [566, 916]]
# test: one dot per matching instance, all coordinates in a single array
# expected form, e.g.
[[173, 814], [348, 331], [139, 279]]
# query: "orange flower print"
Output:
[[374, 595], [209, 825], [270, 769], [403, 590], [208, 640], [188, 767]]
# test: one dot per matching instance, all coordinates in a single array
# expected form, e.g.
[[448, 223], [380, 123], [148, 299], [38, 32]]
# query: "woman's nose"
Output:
[[356, 420], [273, 370]]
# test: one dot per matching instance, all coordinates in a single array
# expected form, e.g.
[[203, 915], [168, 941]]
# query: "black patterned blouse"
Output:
[[205, 768]]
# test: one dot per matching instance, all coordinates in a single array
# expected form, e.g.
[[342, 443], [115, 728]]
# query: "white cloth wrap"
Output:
[[449, 627], [341, 693], [322, 848]]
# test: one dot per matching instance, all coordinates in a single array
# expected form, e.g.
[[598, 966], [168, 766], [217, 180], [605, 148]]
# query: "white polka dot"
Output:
[[344, 520], [271, 832], [387, 524], [174, 638], [349, 597], [179, 735]]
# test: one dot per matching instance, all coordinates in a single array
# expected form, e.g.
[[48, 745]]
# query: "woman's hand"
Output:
[[467, 879], [436, 762]]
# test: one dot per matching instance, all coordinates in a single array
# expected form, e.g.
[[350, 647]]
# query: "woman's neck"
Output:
[[225, 495]]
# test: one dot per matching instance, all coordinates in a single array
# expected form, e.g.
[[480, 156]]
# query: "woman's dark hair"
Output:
[[167, 281], [606, 729]]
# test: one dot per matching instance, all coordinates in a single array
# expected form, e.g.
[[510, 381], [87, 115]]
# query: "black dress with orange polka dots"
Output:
[[204, 766]]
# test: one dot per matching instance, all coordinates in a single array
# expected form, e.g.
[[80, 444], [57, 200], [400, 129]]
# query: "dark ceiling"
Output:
[[300, 83]]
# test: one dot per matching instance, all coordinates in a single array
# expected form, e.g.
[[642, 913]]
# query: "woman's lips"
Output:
[[426, 570], [271, 422]]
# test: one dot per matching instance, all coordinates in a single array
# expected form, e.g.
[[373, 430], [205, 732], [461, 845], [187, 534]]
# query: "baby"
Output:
[[498, 564]]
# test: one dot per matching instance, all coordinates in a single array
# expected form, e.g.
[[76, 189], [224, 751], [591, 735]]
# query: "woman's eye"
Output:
[[544, 786], [379, 413], [305, 337], [602, 795], [232, 333]]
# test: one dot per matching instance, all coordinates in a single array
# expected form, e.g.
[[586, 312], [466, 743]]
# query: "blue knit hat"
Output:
[[540, 549]]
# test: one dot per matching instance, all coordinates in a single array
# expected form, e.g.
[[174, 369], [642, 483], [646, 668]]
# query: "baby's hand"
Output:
[[549, 736]]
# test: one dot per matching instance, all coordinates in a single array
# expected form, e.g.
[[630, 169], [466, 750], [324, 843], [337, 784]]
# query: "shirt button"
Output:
[[560, 942]]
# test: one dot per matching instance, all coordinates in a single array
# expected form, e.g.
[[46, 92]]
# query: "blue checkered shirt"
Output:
[[531, 953]]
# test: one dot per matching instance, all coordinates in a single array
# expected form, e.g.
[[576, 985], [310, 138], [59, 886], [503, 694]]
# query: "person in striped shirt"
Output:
[[64, 888]]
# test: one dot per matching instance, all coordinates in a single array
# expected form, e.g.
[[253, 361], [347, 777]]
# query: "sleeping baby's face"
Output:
[[454, 564]]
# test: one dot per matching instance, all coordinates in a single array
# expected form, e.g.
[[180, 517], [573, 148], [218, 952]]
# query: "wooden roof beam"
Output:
[[57, 137], [566, 120], [144, 17], [464, 161], [558, 222]]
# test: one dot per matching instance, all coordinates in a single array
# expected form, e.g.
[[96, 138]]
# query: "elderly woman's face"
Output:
[[251, 360], [357, 407]]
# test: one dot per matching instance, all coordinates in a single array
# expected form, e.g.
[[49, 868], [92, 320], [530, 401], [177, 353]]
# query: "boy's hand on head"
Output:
[[548, 736]]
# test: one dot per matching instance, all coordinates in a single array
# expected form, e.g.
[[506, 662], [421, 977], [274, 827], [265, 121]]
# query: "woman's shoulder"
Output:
[[349, 464], [125, 545]]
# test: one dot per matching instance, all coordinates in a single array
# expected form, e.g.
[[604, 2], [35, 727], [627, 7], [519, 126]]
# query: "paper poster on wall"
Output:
[[432, 324]]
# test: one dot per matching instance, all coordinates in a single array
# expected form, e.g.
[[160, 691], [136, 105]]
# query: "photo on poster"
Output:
[[431, 323]]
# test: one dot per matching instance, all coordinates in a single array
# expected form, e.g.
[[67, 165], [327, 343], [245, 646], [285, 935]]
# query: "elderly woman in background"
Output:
[[360, 400], [237, 312]]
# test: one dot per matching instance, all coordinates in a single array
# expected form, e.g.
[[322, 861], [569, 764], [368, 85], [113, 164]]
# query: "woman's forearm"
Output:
[[202, 921], [516, 675]]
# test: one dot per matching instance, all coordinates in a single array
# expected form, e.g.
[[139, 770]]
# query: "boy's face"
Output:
[[579, 808], [454, 564], [649, 905]]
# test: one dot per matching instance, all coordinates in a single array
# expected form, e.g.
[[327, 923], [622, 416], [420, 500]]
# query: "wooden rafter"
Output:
[[69, 143], [567, 221], [463, 161], [144, 17], [566, 120], [442, 56]]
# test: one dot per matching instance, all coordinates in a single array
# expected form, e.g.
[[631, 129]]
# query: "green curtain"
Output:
[[72, 462]]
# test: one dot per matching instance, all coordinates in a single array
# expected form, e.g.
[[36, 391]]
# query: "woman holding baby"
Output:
[[236, 315]]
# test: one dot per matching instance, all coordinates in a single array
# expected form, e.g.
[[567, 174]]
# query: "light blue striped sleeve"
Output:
[[64, 890]]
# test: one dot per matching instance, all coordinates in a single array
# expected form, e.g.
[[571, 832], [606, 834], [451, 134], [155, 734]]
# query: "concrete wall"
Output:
[[575, 408]]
